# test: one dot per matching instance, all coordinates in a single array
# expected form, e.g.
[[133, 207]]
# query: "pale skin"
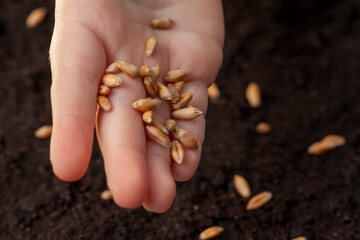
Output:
[[88, 36]]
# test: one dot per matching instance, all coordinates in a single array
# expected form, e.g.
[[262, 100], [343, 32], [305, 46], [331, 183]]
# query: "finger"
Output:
[[162, 188], [122, 140], [77, 62], [203, 59], [196, 128]]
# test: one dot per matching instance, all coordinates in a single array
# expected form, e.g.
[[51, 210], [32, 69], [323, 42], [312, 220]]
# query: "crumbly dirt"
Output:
[[305, 55]]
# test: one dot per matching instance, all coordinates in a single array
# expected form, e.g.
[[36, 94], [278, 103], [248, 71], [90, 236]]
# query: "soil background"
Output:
[[305, 55]]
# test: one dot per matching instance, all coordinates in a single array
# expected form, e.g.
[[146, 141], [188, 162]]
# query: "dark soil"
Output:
[[305, 55]]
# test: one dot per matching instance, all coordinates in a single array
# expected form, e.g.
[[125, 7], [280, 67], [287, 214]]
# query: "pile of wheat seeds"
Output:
[[169, 89]]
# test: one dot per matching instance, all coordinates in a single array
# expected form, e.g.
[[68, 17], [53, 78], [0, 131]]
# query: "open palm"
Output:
[[91, 34]]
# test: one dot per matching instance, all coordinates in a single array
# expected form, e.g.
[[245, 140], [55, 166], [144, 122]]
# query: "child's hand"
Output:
[[91, 34]]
